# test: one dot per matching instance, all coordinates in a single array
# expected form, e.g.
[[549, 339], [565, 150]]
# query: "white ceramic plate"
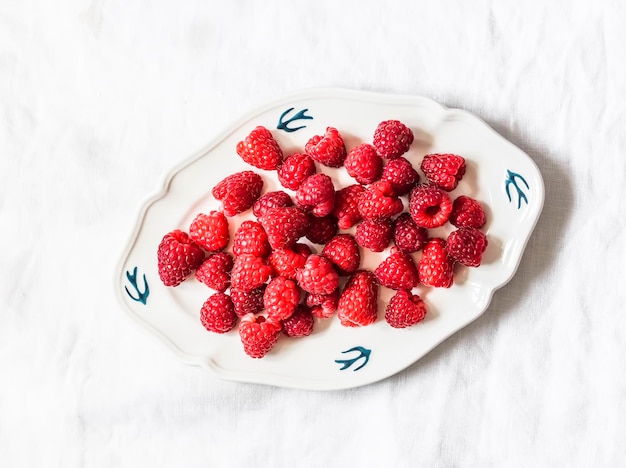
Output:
[[500, 175]]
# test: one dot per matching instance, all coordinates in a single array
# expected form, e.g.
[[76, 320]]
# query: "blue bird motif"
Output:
[[284, 124], [142, 296], [364, 354], [511, 179]]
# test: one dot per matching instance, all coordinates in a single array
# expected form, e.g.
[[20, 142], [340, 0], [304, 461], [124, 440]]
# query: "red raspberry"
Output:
[[322, 230], [405, 309], [374, 235], [364, 164], [215, 271], [249, 272], [317, 195], [323, 306], [318, 276], [328, 149], [258, 334], [270, 200], [218, 314], [445, 170], [467, 212], [295, 169], [397, 271], [210, 231], [429, 206], [435, 267], [346, 208], [260, 149], [407, 235], [248, 302], [281, 297], [466, 245], [379, 201], [177, 257], [286, 262], [284, 225], [358, 301], [392, 139], [300, 323], [343, 251], [238, 192], [401, 174], [251, 238]]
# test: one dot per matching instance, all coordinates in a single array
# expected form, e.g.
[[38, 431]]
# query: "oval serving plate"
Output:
[[501, 176]]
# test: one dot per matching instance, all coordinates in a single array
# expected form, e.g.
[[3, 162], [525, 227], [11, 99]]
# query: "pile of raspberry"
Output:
[[268, 280]]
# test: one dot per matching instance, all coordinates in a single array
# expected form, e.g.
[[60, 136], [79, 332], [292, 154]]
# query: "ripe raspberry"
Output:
[[322, 230], [466, 245], [407, 235], [248, 302], [358, 301], [435, 267], [397, 271], [258, 334], [215, 271], [445, 170], [177, 257], [346, 208], [343, 251], [251, 238], [392, 139], [260, 149], [318, 276], [210, 231], [295, 169], [281, 297], [364, 164], [218, 314], [467, 212], [405, 309], [374, 235], [379, 201], [317, 195], [270, 200], [238, 192], [284, 225], [249, 272], [429, 206], [286, 262], [401, 174], [323, 306], [328, 149], [300, 323]]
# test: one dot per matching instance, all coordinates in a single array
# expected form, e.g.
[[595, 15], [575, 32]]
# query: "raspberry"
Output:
[[346, 208], [322, 230], [401, 174], [445, 170], [328, 149], [284, 225], [343, 251], [270, 200], [405, 309], [318, 276], [397, 271], [251, 238], [248, 302], [407, 235], [364, 164], [218, 314], [392, 139], [429, 206], [238, 192], [177, 257], [281, 297], [374, 235], [249, 272], [323, 306], [358, 301], [379, 201], [317, 195], [286, 262], [215, 271], [260, 149], [466, 245], [295, 169], [467, 212], [258, 334], [300, 323], [435, 267], [210, 231]]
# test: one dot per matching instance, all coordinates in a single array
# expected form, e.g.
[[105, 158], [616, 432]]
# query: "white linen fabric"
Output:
[[99, 99]]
